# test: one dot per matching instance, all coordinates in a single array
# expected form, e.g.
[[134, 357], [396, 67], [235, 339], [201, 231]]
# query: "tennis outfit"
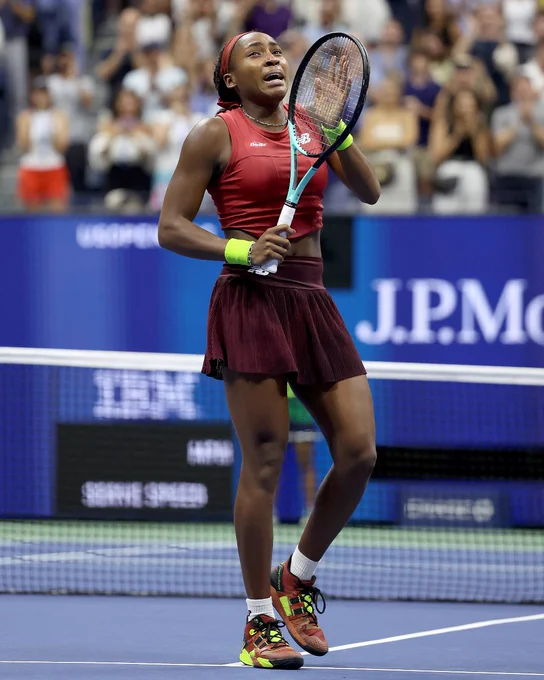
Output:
[[275, 324]]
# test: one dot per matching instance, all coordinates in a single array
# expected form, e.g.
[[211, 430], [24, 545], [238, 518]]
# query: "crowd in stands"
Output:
[[97, 96]]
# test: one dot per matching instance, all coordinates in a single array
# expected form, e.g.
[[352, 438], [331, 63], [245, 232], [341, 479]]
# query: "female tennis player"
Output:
[[267, 331]]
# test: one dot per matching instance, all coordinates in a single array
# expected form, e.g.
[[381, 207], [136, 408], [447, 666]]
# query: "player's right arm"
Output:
[[200, 157], [205, 153]]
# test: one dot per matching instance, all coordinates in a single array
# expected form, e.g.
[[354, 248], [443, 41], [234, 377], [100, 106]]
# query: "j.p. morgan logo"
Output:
[[436, 305]]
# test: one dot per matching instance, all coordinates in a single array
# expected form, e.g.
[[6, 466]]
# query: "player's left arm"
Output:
[[355, 171]]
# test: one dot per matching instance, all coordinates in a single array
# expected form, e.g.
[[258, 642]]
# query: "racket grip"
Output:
[[286, 217]]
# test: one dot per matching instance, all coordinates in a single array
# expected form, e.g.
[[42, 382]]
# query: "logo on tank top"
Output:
[[257, 144], [304, 138]]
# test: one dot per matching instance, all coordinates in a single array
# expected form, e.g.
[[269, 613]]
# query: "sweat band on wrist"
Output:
[[237, 251], [332, 135]]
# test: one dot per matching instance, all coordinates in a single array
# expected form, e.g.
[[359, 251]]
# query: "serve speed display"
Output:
[[145, 471]]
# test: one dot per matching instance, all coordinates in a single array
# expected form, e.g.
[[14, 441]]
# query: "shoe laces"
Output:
[[271, 632], [312, 598]]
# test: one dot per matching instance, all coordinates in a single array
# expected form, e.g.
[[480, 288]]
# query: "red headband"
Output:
[[224, 67]]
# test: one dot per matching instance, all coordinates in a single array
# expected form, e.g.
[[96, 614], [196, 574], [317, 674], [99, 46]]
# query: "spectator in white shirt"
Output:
[[123, 150], [518, 136], [75, 95], [158, 76], [519, 19], [367, 22], [170, 129], [534, 69], [329, 19]]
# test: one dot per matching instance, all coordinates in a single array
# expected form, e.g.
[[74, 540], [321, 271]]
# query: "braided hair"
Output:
[[226, 94]]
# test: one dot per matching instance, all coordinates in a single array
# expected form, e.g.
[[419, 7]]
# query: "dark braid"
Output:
[[227, 94]]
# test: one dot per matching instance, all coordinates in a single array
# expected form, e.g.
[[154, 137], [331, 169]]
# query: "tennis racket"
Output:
[[330, 86]]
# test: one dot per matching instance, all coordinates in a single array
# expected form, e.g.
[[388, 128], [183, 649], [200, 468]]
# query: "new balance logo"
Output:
[[304, 138], [258, 270], [257, 144]]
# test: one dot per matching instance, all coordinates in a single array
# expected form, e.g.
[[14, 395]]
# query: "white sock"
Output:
[[256, 607], [302, 567]]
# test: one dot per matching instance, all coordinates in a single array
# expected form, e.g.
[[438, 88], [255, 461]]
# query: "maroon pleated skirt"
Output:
[[281, 324]]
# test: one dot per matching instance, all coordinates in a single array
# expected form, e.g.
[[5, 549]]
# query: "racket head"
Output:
[[319, 77]]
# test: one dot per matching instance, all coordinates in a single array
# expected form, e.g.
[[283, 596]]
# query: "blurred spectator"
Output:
[[124, 150], [57, 27], [518, 135], [155, 22], [205, 23], [295, 44], [486, 40], [153, 27], [441, 66], [519, 17], [440, 20], [157, 75], [17, 17], [388, 134], [388, 57], [203, 97], [269, 16], [74, 94], [170, 128], [4, 103], [123, 57], [539, 25], [330, 19], [534, 69], [420, 94], [460, 147], [469, 74], [409, 13], [368, 21], [42, 136]]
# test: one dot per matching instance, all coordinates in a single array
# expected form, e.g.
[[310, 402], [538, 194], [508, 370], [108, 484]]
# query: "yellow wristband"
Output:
[[237, 251], [332, 135]]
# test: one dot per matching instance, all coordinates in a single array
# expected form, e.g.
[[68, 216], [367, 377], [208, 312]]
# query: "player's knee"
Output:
[[267, 458], [356, 456]]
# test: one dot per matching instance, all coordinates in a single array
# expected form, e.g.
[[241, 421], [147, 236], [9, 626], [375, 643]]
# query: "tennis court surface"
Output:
[[121, 638], [117, 552]]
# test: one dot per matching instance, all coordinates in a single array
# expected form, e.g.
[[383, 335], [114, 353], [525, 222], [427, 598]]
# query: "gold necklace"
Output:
[[262, 122]]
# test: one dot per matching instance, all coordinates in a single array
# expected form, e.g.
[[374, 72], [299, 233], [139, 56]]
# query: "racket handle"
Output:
[[286, 217]]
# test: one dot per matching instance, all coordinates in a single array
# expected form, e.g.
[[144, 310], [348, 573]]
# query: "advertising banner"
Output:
[[422, 289]]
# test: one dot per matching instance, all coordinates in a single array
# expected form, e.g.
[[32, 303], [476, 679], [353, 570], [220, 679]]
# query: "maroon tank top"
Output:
[[250, 193]]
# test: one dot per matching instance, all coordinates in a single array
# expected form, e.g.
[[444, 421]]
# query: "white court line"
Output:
[[115, 663], [420, 670], [354, 645], [438, 631], [307, 668], [428, 633]]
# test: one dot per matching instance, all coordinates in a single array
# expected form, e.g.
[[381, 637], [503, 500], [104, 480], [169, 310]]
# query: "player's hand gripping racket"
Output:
[[330, 86]]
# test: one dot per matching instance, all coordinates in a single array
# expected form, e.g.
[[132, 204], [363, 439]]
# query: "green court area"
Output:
[[189, 533]]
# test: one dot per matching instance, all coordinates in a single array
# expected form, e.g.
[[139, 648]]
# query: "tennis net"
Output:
[[118, 473]]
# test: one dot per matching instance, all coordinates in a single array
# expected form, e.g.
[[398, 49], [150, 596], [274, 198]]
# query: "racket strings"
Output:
[[329, 91]]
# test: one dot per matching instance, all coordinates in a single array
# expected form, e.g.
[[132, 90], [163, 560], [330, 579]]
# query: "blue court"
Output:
[[122, 638]]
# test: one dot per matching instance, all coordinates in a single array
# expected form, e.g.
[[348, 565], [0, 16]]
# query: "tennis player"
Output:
[[267, 331]]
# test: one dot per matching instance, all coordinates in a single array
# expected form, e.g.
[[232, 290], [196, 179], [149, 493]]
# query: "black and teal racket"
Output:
[[329, 87]]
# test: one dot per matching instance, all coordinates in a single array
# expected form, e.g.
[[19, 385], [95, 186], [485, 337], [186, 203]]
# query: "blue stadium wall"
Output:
[[421, 289]]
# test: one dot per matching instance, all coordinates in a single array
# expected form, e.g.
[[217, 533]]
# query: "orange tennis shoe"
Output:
[[296, 602], [265, 647]]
